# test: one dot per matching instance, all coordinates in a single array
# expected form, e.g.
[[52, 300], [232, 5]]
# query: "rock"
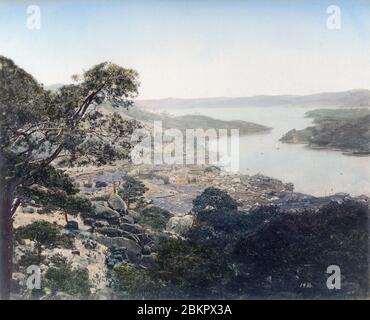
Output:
[[148, 261], [146, 250], [101, 224], [116, 255], [116, 203], [71, 225], [28, 210], [105, 213], [131, 236], [180, 225], [85, 235], [69, 233], [133, 228], [109, 231], [100, 184], [133, 249], [134, 214], [90, 245], [76, 252], [89, 221], [126, 219]]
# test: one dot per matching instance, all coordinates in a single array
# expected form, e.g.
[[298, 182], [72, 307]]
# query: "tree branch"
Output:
[[87, 102], [15, 205]]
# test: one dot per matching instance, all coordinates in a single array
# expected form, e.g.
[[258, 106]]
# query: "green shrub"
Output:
[[104, 197], [154, 217], [62, 277], [222, 228], [298, 247], [58, 260], [190, 270], [214, 199], [58, 198], [76, 204], [29, 258], [52, 178], [130, 282], [65, 241], [43, 233], [267, 253]]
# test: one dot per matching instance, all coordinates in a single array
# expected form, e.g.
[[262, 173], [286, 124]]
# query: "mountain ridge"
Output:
[[355, 98], [349, 98]]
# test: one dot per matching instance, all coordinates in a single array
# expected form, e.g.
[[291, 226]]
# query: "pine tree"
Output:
[[132, 190], [38, 128]]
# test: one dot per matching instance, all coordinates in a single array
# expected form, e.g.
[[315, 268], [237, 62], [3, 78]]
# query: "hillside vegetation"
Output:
[[346, 130]]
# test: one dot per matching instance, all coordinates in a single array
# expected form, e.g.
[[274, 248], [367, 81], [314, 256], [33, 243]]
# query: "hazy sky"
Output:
[[196, 48]]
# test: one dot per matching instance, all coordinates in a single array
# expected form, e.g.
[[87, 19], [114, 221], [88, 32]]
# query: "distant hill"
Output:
[[189, 121], [352, 98]]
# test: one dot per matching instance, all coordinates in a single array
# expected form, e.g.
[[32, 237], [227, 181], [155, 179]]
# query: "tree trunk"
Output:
[[39, 252], [66, 217], [6, 243]]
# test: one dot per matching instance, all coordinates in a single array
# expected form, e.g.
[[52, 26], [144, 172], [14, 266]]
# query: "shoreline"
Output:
[[174, 187]]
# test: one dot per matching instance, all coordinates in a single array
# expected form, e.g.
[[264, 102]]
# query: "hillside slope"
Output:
[[345, 130]]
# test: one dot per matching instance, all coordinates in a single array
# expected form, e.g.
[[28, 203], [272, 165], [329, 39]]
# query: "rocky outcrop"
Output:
[[101, 212], [134, 214], [100, 184], [116, 255], [28, 209], [126, 219], [116, 203], [298, 136], [133, 249], [109, 231], [133, 228]]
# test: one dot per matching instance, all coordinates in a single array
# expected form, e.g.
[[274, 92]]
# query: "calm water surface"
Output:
[[317, 172]]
